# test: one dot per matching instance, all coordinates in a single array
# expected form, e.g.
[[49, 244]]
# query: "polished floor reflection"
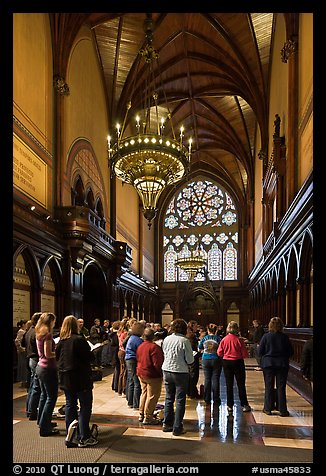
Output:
[[203, 422]]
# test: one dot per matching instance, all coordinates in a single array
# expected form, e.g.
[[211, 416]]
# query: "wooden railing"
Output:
[[298, 337]]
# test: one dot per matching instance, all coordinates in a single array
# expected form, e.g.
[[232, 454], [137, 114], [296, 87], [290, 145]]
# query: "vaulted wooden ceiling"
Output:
[[214, 68]]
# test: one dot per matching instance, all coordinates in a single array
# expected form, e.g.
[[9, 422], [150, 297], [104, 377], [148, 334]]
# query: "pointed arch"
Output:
[[274, 281], [99, 207], [31, 263], [305, 255], [170, 270], [95, 290], [89, 199], [82, 162], [56, 270], [292, 266], [78, 191], [93, 262], [214, 264]]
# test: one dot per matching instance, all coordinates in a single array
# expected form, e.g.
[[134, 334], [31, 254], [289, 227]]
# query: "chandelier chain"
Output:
[[148, 160]]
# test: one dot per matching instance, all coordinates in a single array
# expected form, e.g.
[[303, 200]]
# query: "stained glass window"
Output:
[[201, 214]]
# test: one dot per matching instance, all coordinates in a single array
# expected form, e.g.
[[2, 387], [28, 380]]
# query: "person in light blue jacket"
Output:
[[211, 364], [178, 355]]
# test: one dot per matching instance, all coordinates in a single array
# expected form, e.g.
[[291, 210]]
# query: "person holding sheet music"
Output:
[[96, 337], [82, 329], [74, 358]]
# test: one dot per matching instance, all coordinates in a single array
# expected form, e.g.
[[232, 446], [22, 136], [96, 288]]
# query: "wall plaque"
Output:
[[47, 303], [21, 305], [29, 172]]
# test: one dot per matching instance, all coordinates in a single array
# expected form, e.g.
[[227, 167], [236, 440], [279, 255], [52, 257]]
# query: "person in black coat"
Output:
[[193, 392], [275, 350], [74, 365], [96, 337]]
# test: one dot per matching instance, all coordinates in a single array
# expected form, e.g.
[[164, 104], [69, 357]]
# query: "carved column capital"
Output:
[[61, 86], [290, 47], [262, 155]]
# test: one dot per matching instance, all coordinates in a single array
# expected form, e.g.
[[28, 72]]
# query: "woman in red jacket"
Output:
[[233, 351], [149, 370]]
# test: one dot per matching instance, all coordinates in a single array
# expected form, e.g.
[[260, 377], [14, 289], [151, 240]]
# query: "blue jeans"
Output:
[[176, 386], [212, 371], [48, 379], [133, 388], [34, 391], [85, 398]]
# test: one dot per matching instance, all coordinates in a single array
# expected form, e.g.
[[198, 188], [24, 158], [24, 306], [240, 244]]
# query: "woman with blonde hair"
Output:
[[233, 351], [46, 371], [122, 334], [74, 362], [275, 350]]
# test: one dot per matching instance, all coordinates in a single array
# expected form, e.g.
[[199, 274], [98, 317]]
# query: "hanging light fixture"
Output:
[[148, 159], [193, 264]]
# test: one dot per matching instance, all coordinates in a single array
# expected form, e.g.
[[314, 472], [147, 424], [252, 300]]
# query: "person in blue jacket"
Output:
[[275, 350], [133, 387]]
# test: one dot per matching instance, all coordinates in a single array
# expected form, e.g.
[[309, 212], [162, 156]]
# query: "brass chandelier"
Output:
[[146, 158], [192, 264]]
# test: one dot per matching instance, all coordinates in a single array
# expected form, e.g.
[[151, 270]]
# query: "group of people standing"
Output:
[[176, 362], [145, 357], [67, 365]]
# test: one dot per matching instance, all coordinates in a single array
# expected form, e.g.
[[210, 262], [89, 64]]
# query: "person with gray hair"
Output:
[[178, 355], [233, 351]]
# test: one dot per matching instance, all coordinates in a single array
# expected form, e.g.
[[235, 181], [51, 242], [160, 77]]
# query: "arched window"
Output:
[[201, 214], [79, 192]]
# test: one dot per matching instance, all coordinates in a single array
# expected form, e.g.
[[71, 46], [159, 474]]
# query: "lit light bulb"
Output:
[[181, 134]]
